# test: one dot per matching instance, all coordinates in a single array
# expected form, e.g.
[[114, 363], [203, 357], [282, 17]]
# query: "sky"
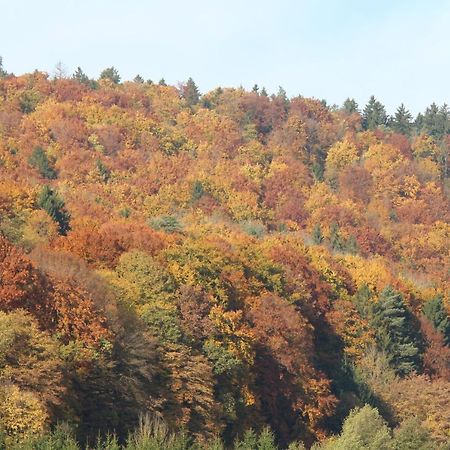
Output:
[[397, 50]]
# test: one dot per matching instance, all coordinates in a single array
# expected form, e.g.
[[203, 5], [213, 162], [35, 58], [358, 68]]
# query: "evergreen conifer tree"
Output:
[[350, 106], [190, 92], [3, 72], [40, 161], [317, 235], [374, 114], [394, 331], [55, 207], [402, 121], [435, 312], [110, 73]]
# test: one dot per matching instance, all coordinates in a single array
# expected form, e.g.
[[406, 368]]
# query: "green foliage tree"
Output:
[[40, 161], [197, 191], [110, 73], [335, 238], [436, 313], [82, 78], [394, 331], [402, 121], [411, 435], [28, 101], [170, 224], [190, 92], [351, 246], [374, 114], [51, 202], [317, 235], [363, 429], [350, 106], [435, 121], [103, 171], [138, 79], [3, 72]]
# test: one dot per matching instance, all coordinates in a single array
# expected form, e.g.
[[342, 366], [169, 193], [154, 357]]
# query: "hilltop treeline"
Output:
[[220, 263]]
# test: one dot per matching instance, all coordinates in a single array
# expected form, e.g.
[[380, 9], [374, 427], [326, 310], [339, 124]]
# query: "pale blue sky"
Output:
[[398, 50]]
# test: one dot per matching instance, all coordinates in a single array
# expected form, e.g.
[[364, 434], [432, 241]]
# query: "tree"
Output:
[[411, 435], [374, 114], [103, 171], [363, 429], [402, 121], [350, 106], [40, 161], [82, 78], [435, 312], [435, 121], [3, 72], [51, 202], [336, 241], [317, 235], [22, 415], [190, 92], [138, 79], [60, 71], [394, 331], [110, 73], [29, 358], [18, 280]]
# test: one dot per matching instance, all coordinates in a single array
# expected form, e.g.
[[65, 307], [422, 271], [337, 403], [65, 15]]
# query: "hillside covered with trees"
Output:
[[241, 269]]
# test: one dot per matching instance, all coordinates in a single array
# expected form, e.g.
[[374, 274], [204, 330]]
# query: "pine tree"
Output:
[[3, 72], [82, 78], [197, 190], [335, 238], [264, 92], [435, 312], [266, 440], [317, 235], [436, 121], [249, 441], [282, 96], [351, 246], [190, 92], [350, 106], [110, 73], [40, 161], [138, 79], [402, 121], [55, 207], [255, 88], [374, 114], [103, 171], [394, 331]]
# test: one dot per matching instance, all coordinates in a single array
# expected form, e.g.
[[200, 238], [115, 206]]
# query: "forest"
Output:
[[227, 270]]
